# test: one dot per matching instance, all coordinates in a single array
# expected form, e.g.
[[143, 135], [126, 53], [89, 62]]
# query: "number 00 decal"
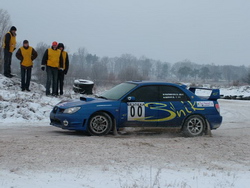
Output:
[[136, 111]]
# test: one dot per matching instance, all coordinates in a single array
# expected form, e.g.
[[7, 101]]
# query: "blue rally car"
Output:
[[140, 104]]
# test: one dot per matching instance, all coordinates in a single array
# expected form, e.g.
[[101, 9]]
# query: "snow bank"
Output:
[[129, 177], [18, 106]]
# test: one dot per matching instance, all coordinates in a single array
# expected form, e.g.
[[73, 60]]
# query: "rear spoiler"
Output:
[[215, 93]]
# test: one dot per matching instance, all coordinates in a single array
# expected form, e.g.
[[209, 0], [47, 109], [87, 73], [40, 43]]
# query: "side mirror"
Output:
[[130, 99]]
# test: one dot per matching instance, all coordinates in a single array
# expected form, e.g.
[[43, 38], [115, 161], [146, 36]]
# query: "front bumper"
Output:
[[68, 121]]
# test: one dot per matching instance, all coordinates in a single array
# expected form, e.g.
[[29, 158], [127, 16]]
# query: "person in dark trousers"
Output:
[[52, 60], [9, 45], [26, 54], [65, 69]]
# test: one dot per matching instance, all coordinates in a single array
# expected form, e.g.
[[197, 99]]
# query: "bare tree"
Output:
[[146, 66], [129, 73], [246, 78], [99, 72], [184, 72], [4, 27], [125, 61], [78, 67], [204, 73]]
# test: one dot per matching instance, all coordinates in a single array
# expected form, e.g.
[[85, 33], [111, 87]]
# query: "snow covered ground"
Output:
[[34, 154], [17, 106]]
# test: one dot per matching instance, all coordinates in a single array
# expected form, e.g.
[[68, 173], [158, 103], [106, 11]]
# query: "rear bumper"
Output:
[[214, 121]]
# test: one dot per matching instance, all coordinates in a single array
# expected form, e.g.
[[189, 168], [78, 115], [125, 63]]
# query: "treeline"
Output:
[[128, 67], [112, 70]]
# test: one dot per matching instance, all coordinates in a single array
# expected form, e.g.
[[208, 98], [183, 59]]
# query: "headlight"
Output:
[[71, 110]]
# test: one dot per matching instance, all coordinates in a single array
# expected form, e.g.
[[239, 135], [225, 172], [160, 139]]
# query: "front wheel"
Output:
[[194, 126], [99, 124]]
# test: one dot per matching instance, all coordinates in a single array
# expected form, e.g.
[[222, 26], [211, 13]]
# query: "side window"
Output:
[[171, 93], [145, 94]]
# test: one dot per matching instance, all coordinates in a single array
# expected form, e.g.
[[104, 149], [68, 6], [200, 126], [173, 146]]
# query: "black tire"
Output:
[[99, 124], [194, 126]]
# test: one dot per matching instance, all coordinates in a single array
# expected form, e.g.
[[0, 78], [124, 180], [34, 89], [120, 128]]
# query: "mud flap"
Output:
[[115, 133], [208, 131]]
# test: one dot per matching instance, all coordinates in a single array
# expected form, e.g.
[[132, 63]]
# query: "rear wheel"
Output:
[[194, 126], [99, 124]]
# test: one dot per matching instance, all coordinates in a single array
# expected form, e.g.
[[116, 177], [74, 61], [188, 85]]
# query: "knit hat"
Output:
[[60, 45], [25, 41], [54, 43], [13, 28]]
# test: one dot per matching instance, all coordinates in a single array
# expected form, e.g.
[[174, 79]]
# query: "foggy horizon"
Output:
[[210, 32]]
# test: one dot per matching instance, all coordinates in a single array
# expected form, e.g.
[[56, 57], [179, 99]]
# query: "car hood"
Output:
[[85, 101]]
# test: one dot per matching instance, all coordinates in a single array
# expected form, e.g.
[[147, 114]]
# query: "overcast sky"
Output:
[[202, 31]]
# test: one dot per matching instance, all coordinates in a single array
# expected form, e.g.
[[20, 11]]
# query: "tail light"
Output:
[[217, 106]]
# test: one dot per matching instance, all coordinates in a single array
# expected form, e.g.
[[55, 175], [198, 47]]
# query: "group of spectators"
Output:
[[55, 61]]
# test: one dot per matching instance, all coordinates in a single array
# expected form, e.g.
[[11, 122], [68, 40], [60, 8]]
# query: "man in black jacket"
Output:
[[62, 72], [9, 45]]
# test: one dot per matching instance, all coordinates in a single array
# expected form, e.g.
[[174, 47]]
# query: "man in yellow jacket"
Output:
[[65, 69], [26, 54], [52, 60], [9, 45]]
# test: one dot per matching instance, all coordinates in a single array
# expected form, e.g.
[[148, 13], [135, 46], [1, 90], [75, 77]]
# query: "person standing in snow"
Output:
[[9, 45], [62, 72], [26, 54], [52, 60]]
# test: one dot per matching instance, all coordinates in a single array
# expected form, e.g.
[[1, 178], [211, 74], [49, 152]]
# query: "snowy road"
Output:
[[37, 155]]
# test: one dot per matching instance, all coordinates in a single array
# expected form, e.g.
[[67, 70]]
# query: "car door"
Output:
[[174, 106], [135, 109]]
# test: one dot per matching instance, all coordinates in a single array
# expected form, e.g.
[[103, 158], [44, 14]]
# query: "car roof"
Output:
[[139, 82]]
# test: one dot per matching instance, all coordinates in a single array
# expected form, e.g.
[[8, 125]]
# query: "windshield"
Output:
[[118, 91]]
